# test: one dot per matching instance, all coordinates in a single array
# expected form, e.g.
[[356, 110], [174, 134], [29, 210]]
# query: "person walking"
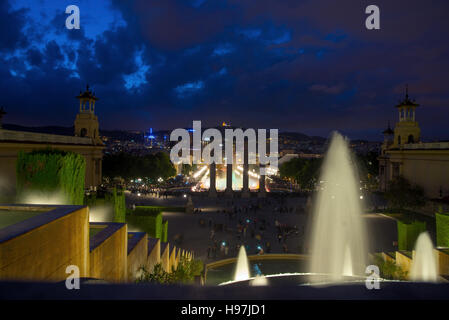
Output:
[[268, 246], [215, 248]]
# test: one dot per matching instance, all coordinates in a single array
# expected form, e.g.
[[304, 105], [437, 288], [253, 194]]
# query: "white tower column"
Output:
[[245, 189], [212, 179]]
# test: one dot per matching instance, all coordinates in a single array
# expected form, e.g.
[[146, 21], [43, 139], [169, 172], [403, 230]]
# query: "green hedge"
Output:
[[114, 199], [164, 236], [166, 209], [146, 218], [51, 172], [117, 200], [442, 226], [408, 232]]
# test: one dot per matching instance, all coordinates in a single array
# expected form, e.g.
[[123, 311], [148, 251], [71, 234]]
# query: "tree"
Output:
[[368, 168], [128, 166], [304, 171], [401, 194]]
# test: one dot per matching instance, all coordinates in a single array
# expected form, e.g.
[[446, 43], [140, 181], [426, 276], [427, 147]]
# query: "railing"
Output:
[[426, 145], [10, 135]]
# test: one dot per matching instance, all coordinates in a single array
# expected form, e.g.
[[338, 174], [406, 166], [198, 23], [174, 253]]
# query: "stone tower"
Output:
[[86, 122], [407, 129]]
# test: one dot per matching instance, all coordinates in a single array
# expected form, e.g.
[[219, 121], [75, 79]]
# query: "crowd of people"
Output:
[[247, 225]]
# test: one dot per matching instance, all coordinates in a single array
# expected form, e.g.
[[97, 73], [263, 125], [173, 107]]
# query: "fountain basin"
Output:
[[223, 270], [303, 279]]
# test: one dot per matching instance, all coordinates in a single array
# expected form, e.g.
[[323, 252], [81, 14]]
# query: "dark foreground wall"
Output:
[[388, 291]]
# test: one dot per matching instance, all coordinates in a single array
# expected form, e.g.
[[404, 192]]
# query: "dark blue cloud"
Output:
[[307, 66]]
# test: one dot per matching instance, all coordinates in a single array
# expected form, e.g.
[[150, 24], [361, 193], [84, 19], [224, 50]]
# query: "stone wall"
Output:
[[137, 253], [443, 261], [165, 256], [404, 261], [108, 253], [8, 157], [43, 246], [154, 253]]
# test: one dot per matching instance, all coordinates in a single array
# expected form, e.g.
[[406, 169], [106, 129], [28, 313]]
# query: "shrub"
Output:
[[185, 273], [408, 232], [51, 172], [158, 275], [148, 219], [389, 270], [117, 200], [164, 234], [442, 226], [401, 194], [114, 200]]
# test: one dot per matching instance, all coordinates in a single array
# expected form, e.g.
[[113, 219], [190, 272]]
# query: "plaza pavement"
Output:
[[381, 230]]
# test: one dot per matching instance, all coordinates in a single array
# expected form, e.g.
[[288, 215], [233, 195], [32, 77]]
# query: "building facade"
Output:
[[86, 141], [404, 154]]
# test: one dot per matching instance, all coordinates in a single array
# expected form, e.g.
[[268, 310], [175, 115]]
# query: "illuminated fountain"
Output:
[[338, 237], [424, 266], [202, 175], [338, 242], [259, 281], [242, 267]]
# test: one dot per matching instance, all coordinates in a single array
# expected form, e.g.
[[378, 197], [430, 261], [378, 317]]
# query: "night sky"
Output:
[[308, 66]]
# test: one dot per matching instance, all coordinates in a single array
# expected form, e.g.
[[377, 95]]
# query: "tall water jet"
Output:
[[242, 267], [338, 243], [424, 266]]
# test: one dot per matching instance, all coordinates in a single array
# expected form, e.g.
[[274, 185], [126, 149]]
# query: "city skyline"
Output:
[[286, 65]]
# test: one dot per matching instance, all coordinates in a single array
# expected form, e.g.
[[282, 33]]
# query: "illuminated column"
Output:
[[245, 189], [229, 179], [262, 191], [212, 188]]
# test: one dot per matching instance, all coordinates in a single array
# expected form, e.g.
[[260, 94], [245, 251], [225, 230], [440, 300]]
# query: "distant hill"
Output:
[[302, 137], [131, 135], [68, 131]]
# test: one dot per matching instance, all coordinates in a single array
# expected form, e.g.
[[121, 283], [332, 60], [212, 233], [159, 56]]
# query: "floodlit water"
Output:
[[424, 266], [259, 281], [338, 242], [242, 268], [237, 179]]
